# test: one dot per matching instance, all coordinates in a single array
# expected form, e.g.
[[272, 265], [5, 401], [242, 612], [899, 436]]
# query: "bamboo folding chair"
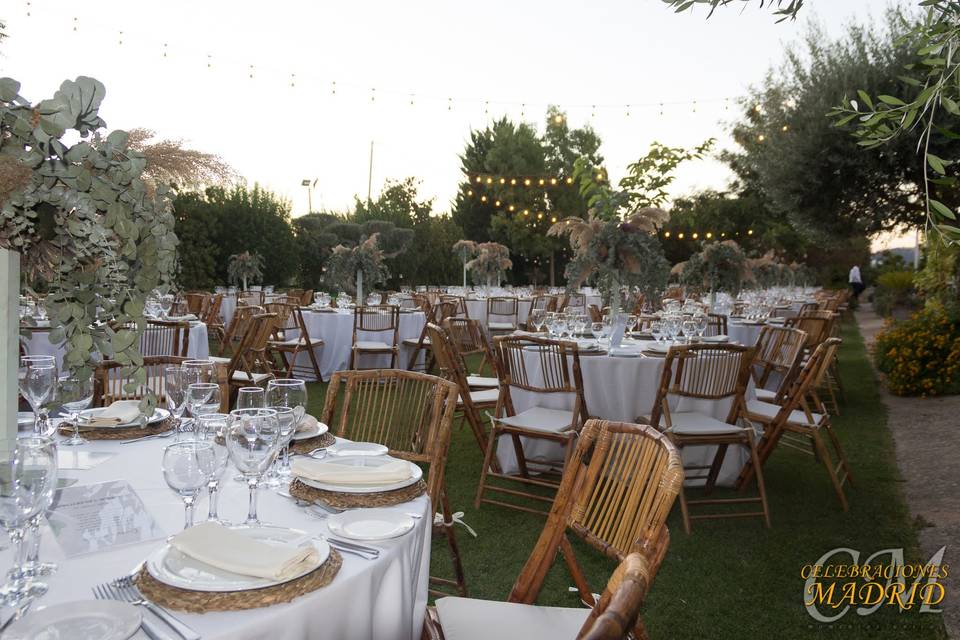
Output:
[[436, 314], [595, 312], [776, 361], [250, 298], [288, 347], [237, 328], [716, 325], [211, 317], [110, 380], [249, 366], [467, 338], [819, 326], [196, 301], [452, 368], [558, 374], [543, 303], [461, 305], [380, 319], [616, 615], [807, 307], [501, 315], [800, 422], [711, 372], [411, 414], [165, 338], [616, 495], [573, 303]]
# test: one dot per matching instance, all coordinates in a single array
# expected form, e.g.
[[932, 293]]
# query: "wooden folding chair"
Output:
[[501, 315], [461, 305], [381, 319], [110, 380], [800, 422], [467, 338], [819, 326], [293, 339], [165, 338], [716, 373], [238, 326], [573, 303], [436, 314], [558, 374], [411, 414], [249, 365], [211, 317], [778, 354], [196, 301], [616, 615], [716, 325]]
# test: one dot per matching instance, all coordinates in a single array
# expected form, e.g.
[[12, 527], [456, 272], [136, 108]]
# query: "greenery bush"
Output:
[[921, 356], [894, 289]]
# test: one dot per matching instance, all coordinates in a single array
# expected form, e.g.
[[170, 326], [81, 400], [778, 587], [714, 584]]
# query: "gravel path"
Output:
[[927, 436]]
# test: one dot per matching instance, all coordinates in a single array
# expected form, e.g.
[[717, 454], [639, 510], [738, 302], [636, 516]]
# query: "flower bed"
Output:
[[921, 356]]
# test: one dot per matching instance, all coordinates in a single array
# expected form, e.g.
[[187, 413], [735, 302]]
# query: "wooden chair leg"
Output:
[[311, 350], [761, 485], [477, 429], [841, 455], [521, 458], [491, 443], [828, 464], [579, 579], [452, 546], [715, 468]]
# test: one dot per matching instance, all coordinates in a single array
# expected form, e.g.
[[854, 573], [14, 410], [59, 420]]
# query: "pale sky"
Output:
[[448, 58]]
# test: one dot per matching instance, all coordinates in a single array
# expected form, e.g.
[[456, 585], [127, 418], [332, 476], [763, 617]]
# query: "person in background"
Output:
[[856, 282]]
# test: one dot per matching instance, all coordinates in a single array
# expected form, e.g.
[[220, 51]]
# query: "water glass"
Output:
[[37, 380], [252, 439], [288, 392], [212, 428], [43, 449], [76, 394], [689, 327], [198, 371], [656, 330], [166, 304], [186, 468], [203, 397], [250, 398], [174, 392]]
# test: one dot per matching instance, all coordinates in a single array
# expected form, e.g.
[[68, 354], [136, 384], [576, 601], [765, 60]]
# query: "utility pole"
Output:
[[370, 174]]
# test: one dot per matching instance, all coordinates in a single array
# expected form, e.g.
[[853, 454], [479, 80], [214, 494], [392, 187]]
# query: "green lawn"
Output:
[[729, 578]]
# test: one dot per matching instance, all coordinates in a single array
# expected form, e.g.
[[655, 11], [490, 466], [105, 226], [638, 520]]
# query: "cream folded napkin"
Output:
[[308, 423], [220, 547], [331, 473], [717, 338], [120, 412], [183, 318], [627, 350]]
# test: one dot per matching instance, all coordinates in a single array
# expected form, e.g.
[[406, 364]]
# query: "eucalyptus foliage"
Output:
[[83, 217], [366, 257], [721, 266]]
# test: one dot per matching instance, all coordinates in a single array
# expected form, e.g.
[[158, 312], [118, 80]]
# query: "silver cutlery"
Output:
[[356, 552], [105, 592], [163, 434], [16, 615], [354, 545], [125, 590]]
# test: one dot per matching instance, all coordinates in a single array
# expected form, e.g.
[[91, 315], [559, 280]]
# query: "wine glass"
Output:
[[286, 423], [251, 442], [288, 392], [166, 304], [656, 330], [37, 379], [39, 448], [536, 319], [212, 428], [596, 328], [689, 327], [198, 371], [28, 473], [186, 467], [250, 398], [203, 397], [702, 321], [76, 394], [631, 323], [175, 394]]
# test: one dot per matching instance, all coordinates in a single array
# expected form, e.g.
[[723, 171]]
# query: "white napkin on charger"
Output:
[[120, 412], [185, 318], [332, 473], [220, 547], [717, 338], [307, 423]]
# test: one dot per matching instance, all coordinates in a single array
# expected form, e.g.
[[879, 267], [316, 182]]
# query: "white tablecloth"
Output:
[[382, 599], [227, 305], [39, 344], [615, 388], [478, 309], [745, 334], [336, 330]]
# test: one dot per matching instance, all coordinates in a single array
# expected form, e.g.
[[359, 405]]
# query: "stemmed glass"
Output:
[[166, 304], [203, 397], [597, 329], [212, 428], [286, 422], [186, 467], [656, 330], [689, 326], [37, 380], [197, 371], [250, 398], [251, 442], [28, 476], [702, 322], [45, 448], [536, 320], [175, 393], [76, 394], [288, 392]]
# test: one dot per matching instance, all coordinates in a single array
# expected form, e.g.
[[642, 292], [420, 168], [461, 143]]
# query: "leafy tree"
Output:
[[815, 173], [314, 244], [785, 9]]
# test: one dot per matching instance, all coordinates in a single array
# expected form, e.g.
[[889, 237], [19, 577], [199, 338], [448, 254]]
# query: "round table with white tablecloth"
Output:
[[616, 388], [477, 308], [335, 328], [38, 343], [368, 599], [744, 332]]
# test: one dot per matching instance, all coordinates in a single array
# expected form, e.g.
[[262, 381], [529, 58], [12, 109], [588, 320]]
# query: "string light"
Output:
[[553, 219], [553, 181], [784, 128], [666, 234], [513, 181], [709, 235], [569, 180], [483, 198], [251, 72], [333, 88], [164, 49], [293, 80], [526, 182], [539, 215], [761, 138], [469, 192], [503, 181], [694, 236], [680, 235], [121, 39], [497, 203], [558, 119]]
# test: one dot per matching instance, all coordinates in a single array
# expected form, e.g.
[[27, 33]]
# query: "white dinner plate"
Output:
[[365, 461], [82, 620], [719, 338], [621, 352], [158, 415], [370, 524], [345, 448], [313, 432], [176, 569]]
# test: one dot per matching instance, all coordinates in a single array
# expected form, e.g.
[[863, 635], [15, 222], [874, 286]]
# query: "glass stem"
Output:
[[188, 511], [17, 575], [212, 487], [286, 457], [33, 540], [252, 508]]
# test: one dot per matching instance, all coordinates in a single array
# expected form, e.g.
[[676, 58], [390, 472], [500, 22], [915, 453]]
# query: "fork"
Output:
[[125, 590], [106, 592]]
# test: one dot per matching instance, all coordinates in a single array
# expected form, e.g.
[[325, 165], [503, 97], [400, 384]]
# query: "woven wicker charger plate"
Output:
[[317, 442], [357, 500], [125, 433], [204, 601]]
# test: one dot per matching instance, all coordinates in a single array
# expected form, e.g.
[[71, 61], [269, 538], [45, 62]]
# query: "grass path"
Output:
[[729, 578]]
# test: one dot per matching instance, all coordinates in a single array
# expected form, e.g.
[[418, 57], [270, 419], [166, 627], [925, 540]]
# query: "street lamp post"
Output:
[[309, 185]]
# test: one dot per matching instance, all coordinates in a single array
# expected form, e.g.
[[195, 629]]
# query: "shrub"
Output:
[[921, 356], [894, 289]]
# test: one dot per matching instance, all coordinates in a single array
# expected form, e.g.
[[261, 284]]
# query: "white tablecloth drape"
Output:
[[616, 388], [335, 328], [380, 599], [744, 333], [38, 344]]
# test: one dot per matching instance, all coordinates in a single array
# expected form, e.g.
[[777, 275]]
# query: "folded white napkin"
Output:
[[718, 338], [331, 473], [189, 316], [308, 423], [120, 412], [223, 548], [629, 350]]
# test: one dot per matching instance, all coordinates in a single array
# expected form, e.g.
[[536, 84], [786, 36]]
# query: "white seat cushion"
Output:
[[768, 411], [257, 378], [469, 619], [502, 326], [692, 423], [482, 381], [484, 395], [541, 419], [767, 395], [293, 342], [219, 360], [415, 341], [373, 345]]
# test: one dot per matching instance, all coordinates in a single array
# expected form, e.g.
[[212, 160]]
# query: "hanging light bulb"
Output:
[[526, 212], [666, 234], [558, 119], [511, 208], [694, 235], [513, 181], [483, 198], [503, 181], [553, 181], [489, 180], [540, 215], [469, 192], [497, 203], [526, 182], [761, 138], [479, 179], [680, 235], [553, 219], [569, 180], [709, 235], [749, 232]]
